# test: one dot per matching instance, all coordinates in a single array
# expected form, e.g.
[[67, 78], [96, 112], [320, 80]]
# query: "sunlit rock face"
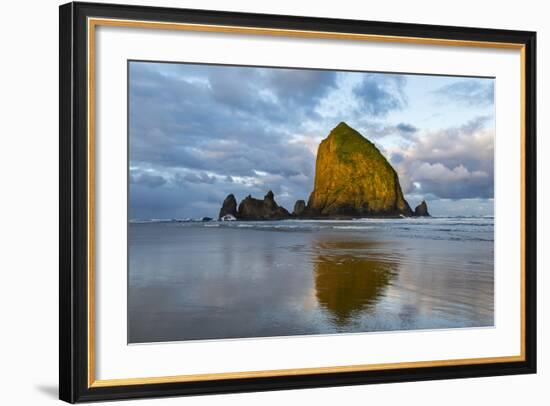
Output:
[[352, 178]]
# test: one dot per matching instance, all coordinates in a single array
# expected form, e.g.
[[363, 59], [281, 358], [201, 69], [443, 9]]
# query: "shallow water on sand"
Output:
[[214, 280]]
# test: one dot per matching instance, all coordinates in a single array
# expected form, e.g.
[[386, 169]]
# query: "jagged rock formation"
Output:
[[299, 208], [352, 178], [422, 209], [229, 206], [266, 209]]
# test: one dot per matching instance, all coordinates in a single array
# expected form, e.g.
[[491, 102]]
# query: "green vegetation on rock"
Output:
[[348, 142]]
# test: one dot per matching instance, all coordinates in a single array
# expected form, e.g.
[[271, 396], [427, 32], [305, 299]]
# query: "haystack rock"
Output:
[[422, 210], [353, 179], [266, 209], [299, 208], [229, 207]]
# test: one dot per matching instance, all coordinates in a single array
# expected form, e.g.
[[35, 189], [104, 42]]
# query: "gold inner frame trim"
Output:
[[94, 22], [299, 371]]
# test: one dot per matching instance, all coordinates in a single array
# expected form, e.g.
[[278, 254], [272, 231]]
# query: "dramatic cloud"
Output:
[[406, 128], [454, 163], [300, 87], [196, 178], [380, 94], [146, 179], [200, 132], [469, 91]]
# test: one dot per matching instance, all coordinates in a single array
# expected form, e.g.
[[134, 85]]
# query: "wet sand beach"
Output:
[[215, 280]]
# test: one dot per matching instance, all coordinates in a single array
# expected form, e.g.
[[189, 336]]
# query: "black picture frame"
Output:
[[74, 199]]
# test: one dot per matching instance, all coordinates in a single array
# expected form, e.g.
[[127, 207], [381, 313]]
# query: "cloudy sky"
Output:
[[200, 132]]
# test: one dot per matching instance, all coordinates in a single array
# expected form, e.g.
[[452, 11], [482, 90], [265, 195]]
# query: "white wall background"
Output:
[[29, 188]]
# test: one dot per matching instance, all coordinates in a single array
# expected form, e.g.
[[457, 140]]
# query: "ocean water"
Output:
[[216, 280]]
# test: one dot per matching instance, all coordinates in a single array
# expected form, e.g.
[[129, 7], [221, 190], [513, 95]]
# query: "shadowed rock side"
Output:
[[352, 178], [299, 208], [422, 210], [267, 209], [229, 207]]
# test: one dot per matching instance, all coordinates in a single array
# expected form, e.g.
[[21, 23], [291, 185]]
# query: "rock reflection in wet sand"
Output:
[[350, 277]]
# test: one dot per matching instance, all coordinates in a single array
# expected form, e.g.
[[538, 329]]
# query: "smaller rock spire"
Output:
[[422, 210], [229, 207]]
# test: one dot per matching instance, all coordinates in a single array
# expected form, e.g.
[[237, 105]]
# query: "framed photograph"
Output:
[[255, 202]]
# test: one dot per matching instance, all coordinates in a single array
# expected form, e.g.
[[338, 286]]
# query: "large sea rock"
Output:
[[353, 179], [229, 207], [266, 209]]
